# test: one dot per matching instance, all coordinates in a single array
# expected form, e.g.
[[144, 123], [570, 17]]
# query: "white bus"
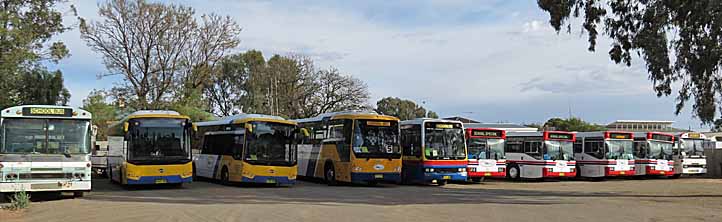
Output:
[[604, 154], [653, 153], [546, 154], [45, 148], [689, 155]]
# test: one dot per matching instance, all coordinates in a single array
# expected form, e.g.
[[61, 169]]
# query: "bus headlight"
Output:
[[429, 170], [472, 169], [397, 169], [462, 169], [501, 170], [357, 169]]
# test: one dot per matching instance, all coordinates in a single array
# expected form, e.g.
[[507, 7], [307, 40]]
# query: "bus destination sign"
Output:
[[45, 111]]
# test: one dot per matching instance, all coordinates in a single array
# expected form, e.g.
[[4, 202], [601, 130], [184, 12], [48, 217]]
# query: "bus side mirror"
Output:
[[195, 127], [249, 127], [125, 126], [305, 132]]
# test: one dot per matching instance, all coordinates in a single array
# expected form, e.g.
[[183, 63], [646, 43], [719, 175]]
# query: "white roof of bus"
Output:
[[423, 120], [12, 112], [332, 114], [644, 134], [229, 119]]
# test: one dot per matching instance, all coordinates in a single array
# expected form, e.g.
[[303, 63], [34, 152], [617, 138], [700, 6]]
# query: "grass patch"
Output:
[[19, 200]]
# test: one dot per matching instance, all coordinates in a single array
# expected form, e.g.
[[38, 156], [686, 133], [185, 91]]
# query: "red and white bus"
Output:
[[486, 153], [547, 154], [604, 154], [653, 152]]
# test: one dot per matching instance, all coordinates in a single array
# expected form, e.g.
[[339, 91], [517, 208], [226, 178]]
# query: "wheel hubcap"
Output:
[[513, 172]]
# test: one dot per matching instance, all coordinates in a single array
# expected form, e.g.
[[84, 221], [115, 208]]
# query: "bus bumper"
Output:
[[487, 174], [269, 180], [375, 177], [160, 180], [694, 170], [609, 172], [462, 176], [36, 186]]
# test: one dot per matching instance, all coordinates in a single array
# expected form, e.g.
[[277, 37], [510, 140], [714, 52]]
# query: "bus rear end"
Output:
[[376, 151], [485, 153]]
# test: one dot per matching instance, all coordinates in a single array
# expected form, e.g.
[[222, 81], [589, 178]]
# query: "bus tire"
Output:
[[329, 174], [514, 172], [224, 176], [78, 194], [477, 180]]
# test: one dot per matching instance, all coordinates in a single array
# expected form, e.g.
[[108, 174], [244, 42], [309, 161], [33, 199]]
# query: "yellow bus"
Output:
[[352, 146], [150, 147], [247, 148]]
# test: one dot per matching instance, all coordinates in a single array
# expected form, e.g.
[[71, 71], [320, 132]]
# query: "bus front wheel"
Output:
[[330, 175], [514, 172]]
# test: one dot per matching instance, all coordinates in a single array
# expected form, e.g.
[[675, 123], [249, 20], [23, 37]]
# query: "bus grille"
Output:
[[44, 186], [44, 176], [446, 170]]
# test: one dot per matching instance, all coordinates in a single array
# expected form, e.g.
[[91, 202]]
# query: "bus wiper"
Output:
[[67, 154]]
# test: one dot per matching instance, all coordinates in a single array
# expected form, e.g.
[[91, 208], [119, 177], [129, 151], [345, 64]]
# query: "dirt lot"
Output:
[[613, 200]]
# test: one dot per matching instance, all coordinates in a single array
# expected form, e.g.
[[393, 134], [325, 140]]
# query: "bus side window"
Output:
[[513, 147], [337, 136], [578, 147], [205, 149], [237, 151], [227, 144], [412, 141], [594, 148]]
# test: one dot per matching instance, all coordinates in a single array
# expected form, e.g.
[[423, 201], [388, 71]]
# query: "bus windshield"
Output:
[[659, 150], [619, 149], [693, 147], [158, 139], [445, 143], [45, 136], [484, 148], [558, 150], [271, 144], [376, 139]]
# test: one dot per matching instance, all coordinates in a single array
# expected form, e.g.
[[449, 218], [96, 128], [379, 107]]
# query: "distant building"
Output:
[[643, 126], [461, 119], [509, 127]]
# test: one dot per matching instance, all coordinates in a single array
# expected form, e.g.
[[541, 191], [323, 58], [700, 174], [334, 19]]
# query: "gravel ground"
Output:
[[687, 199]]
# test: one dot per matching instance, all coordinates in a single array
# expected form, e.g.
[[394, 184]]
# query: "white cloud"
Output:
[[461, 66]]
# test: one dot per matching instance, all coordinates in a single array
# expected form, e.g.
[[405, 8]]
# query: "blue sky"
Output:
[[490, 60]]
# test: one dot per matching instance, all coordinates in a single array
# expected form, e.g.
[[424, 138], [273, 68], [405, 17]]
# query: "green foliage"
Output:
[[287, 86], [40, 87], [19, 200], [403, 109], [103, 112], [679, 41], [25, 29], [572, 124]]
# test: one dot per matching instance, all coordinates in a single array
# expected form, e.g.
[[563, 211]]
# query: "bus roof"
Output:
[[351, 114], [419, 121], [243, 118], [155, 114], [25, 112], [692, 135], [601, 133]]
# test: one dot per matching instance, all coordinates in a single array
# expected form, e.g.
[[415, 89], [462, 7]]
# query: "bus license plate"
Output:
[[561, 174], [622, 173], [447, 177], [379, 176], [693, 171], [160, 181], [662, 172], [487, 174], [270, 181]]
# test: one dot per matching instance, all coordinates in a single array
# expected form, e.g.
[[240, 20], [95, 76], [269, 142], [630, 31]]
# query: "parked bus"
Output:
[[45, 148], [547, 154], [150, 147], [688, 154], [434, 151], [653, 152], [604, 154], [352, 147], [247, 148], [486, 153]]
